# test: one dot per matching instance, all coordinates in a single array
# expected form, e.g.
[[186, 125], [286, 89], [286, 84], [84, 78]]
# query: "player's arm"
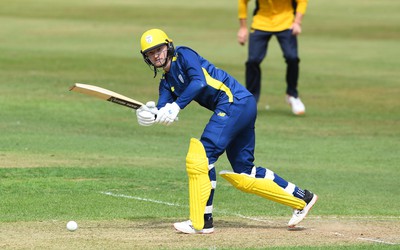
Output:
[[168, 109], [191, 64], [300, 11], [301, 6], [242, 14], [164, 95]]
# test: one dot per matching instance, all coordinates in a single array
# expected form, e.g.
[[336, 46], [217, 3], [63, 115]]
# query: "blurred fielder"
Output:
[[280, 18], [189, 77]]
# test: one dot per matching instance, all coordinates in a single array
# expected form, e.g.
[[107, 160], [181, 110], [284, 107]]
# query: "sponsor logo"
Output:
[[124, 103], [181, 78]]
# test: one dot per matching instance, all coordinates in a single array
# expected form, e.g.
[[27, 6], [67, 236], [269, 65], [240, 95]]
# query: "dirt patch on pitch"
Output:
[[233, 233]]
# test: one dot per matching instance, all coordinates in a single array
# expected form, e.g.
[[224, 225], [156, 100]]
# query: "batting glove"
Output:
[[152, 107], [146, 114], [168, 114]]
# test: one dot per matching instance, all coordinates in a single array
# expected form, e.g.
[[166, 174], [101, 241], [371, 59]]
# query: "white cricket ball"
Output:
[[72, 225]]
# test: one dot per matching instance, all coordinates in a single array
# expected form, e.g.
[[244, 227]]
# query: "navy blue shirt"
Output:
[[191, 77]]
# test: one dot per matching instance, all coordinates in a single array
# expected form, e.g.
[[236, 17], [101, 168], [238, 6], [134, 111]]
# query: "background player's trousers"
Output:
[[258, 49]]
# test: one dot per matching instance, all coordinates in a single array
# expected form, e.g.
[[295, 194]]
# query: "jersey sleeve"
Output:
[[191, 64], [164, 95], [242, 9], [301, 6]]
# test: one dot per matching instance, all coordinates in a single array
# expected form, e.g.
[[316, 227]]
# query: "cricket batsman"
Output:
[[189, 77]]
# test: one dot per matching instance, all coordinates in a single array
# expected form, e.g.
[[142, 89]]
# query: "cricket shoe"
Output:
[[299, 215], [297, 105], [187, 227]]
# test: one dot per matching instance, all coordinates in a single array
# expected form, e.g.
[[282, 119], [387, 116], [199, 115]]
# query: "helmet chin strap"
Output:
[[155, 71]]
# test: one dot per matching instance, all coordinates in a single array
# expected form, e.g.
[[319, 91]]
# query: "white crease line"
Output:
[[248, 218], [177, 205], [378, 241], [140, 199]]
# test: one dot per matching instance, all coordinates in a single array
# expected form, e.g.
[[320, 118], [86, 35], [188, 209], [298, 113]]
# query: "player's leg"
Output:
[[259, 180], [215, 138], [288, 44], [269, 185], [214, 141], [208, 218], [257, 50], [240, 153], [200, 191], [289, 47]]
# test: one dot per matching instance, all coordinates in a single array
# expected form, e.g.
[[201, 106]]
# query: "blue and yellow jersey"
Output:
[[191, 77], [273, 15]]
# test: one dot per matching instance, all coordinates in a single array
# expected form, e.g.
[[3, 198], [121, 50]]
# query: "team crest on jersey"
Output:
[[181, 78], [149, 38]]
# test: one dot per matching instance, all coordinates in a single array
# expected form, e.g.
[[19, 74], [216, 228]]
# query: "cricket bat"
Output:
[[107, 95]]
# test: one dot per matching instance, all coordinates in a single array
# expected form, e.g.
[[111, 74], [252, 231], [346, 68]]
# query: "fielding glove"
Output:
[[146, 114], [168, 114]]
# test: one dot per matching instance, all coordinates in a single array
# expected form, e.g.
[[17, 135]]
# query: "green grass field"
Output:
[[61, 153]]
